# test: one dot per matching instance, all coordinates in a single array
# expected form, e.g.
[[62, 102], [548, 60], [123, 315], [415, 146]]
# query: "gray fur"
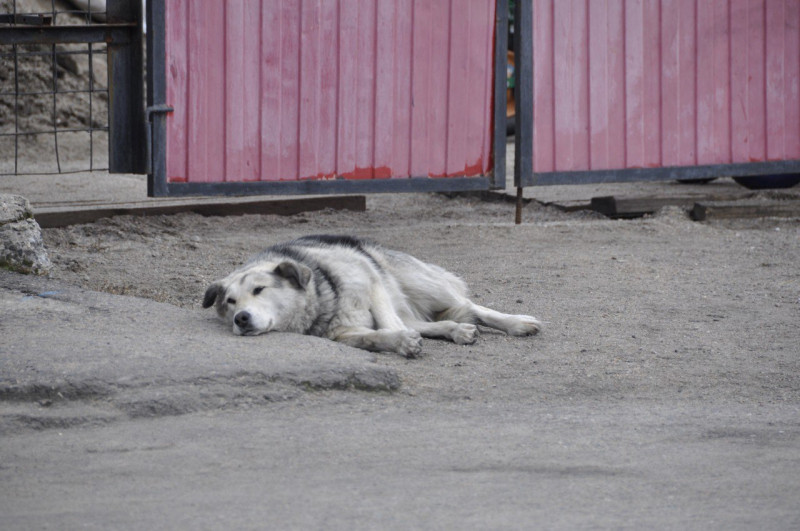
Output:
[[354, 291]]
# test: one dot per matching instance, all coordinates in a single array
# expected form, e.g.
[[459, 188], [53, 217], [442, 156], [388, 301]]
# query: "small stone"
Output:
[[21, 246]]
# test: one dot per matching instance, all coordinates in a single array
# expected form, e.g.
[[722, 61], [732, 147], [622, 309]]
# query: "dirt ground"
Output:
[[633, 308], [663, 392]]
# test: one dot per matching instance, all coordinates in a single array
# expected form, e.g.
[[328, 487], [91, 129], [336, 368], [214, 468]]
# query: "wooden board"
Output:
[[753, 208], [62, 217]]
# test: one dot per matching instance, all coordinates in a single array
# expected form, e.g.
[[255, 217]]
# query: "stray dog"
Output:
[[354, 291]]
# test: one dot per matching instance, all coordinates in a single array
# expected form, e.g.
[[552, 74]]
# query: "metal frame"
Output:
[[157, 107], [123, 36], [667, 173], [524, 175]]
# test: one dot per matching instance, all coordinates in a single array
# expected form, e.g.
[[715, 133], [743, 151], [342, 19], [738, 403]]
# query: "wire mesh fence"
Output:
[[53, 97]]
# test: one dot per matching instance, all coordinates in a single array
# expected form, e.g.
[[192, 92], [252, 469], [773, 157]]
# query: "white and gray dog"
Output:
[[354, 291]]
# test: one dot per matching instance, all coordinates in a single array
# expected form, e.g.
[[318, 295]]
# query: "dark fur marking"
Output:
[[295, 254], [341, 240], [212, 294], [319, 272], [334, 239], [296, 276]]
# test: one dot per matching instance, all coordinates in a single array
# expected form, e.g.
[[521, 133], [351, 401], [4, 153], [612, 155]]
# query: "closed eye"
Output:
[[258, 290], [231, 300]]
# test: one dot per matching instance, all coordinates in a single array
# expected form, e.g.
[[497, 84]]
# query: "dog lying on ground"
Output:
[[354, 291]]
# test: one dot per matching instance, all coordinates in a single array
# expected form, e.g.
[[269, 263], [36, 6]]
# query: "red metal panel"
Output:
[[205, 106], [319, 89], [651, 83], [242, 125], [177, 86]]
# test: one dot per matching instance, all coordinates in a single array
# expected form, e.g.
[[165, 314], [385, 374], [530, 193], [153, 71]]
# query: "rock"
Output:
[[14, 208], [21, 246]]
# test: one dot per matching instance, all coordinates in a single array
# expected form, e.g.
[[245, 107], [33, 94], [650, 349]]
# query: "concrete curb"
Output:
[[72, 357]]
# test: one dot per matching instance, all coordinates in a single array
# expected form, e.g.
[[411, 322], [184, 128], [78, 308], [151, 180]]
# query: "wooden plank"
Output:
[[401, 86], [792, 80], [543, 87], [632, 207], [687, 84], [270, 82], [242, 78], [651, 84], [309, 89], [634, 84], [598, 85], [756, 82], [62, 217], [177, 56], [774, 71], [439, 57], [289, 71], [753, 208], [457, 95], [616, 84], [206, 99], [564, 97]]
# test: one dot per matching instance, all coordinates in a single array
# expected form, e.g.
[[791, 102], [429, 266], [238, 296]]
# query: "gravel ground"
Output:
[[633, 308], [663, 392]]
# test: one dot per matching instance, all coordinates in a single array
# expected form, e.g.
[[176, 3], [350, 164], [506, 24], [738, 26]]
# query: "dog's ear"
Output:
[[298, 275], [214, 290]]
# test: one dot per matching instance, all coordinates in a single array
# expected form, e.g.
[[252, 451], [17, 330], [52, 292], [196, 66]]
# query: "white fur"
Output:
[[355, 292]]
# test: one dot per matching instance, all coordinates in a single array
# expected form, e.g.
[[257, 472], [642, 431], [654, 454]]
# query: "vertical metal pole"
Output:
[[523, 99], [126, 137], [500, 62], [156, 97], [55, 103]]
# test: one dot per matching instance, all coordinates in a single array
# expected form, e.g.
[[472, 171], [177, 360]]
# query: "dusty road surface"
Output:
[[664, 391]]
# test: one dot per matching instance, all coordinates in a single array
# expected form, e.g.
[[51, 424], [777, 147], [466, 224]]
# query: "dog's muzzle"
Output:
[[244, 322]]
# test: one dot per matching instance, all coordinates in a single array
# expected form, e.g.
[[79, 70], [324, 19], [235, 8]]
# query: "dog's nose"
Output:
[[242, 320]]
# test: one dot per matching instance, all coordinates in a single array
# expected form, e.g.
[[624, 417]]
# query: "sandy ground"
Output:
[[631, 306], [664, 391]]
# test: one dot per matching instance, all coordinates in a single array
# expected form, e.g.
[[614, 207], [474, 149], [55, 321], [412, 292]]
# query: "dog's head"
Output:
[[261, 298]]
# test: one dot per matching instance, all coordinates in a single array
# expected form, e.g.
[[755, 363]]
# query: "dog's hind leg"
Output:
[[514, 325], [406, 342], [459, 333]]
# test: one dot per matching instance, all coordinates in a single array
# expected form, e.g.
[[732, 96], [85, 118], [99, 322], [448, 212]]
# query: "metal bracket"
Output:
[[148, 112]]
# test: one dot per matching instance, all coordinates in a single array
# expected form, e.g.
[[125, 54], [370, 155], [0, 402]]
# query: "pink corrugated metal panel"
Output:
[[651, 83], [316, 89]]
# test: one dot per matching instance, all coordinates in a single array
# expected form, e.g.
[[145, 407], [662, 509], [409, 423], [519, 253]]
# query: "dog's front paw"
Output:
[[524, 325], [465, 334], [409, 343]]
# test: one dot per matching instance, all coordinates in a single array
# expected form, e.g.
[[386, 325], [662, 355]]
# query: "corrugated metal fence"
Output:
[[693, 87], [315, 90]]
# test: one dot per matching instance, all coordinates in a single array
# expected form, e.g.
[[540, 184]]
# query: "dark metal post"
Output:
[[156, 98], [523, 95], [523, 98], [500, 62], [126, 143]]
